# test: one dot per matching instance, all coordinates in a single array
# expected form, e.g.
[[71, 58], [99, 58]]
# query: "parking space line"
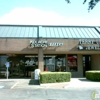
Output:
[[14, 85]]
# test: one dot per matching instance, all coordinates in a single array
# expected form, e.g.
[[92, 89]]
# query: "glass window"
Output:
[[49, 62], [31, 60], [3, 59], [55, 62], [72, 62], [60, 63]]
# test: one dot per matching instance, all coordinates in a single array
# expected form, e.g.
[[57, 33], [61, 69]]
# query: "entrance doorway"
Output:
[[86, 63]]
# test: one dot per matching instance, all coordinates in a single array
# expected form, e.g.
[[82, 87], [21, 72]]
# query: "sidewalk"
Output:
[[74, 83], [82, 83]]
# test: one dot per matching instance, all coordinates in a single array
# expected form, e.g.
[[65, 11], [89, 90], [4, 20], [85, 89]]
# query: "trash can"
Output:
[[37, 74], [32, 75]]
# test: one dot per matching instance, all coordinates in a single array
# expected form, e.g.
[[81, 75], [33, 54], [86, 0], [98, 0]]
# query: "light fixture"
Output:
[[80, 47]]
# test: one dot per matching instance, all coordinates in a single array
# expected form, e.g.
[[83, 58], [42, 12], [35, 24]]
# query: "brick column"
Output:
[[40, 59]]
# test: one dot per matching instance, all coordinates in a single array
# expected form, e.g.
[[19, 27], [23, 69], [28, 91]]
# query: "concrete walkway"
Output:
[[74, 83]]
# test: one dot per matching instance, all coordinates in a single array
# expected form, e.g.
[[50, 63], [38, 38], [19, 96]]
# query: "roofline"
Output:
[[47, 25], [18, 25]]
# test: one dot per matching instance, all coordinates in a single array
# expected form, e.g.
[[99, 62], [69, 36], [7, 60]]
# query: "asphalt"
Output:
[[21, 89]]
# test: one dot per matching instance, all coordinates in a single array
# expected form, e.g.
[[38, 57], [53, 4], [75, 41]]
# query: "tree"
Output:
[[92, 3]]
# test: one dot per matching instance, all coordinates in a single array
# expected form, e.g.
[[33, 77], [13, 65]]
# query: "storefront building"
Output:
[[50, 48]]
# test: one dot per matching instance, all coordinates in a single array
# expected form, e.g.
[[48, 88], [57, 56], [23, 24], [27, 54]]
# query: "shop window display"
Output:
[[55, 63], [72, 62]]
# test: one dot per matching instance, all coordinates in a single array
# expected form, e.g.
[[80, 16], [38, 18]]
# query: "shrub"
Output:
[[93, 75], [53, 77]]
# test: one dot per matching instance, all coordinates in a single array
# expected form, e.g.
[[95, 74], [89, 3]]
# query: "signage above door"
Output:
[[44, 44], [89, 44]]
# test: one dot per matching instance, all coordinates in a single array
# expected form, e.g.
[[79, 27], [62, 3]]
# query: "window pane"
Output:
[[72, 62], [55, 62]]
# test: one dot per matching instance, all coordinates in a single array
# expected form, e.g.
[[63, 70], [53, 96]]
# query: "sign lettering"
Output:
[[44, 44], [89, 44]]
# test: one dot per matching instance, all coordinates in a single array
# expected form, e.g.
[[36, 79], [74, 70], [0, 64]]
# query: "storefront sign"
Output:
[[44, 44], [89, 44], [89, 41], [38, 43]]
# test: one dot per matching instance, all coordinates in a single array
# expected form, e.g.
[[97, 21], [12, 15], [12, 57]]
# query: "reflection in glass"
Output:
[[55, 62], [72, 62]]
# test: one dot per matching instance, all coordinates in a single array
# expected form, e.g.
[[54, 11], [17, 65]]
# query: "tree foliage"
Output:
[[91, 5]]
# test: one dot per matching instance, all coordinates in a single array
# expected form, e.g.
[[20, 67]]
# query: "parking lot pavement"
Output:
[[7, 84], [77, 89], [73, 84], [25, 84], [49, 94]]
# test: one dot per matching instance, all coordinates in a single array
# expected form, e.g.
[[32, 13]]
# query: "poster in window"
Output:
[[72, 62]]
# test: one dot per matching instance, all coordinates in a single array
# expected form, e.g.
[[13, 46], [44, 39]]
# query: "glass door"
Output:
[[60, 63], [86, 63], [31, 63]]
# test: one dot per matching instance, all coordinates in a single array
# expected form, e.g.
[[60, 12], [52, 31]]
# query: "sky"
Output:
[[48, 12]]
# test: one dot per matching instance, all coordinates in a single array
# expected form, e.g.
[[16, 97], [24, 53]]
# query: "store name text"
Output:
[[44, 44], [89, 44], [90, 41]]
